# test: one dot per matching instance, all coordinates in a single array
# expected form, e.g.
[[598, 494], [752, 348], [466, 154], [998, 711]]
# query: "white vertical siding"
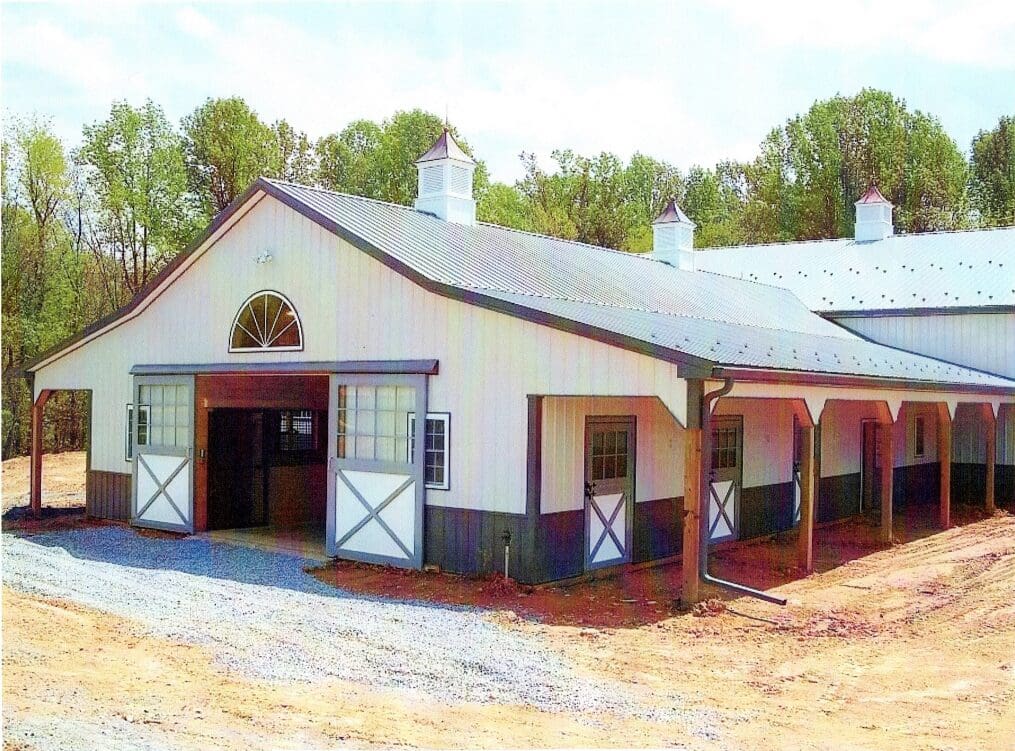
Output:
[[767, 439], [842, 434], [984, 341], [659, 456], [904, 435], [355, 308]]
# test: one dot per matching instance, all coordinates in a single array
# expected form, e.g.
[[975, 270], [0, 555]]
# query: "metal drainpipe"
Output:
[[706, 493]]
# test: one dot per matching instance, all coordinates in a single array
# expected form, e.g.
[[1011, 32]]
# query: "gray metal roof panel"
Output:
[[710, 316], [930, 270]]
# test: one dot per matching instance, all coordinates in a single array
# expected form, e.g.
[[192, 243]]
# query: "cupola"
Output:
[[673, 238], [873, 217], [445, 182]]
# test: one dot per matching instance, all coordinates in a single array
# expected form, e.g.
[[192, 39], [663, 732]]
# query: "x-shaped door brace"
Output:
[[163, 488], [374, 513], [722, 508], [607, 526]]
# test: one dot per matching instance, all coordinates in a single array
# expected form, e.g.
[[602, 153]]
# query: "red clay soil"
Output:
[[638, 596]]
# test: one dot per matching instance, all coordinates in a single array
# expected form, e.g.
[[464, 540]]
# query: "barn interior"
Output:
[[261, 473]]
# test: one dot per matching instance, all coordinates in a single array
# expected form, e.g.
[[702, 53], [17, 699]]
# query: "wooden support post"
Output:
[[35, 466], [691, 577], [805, 539], [944, 457], [990, 460], [887, 477]]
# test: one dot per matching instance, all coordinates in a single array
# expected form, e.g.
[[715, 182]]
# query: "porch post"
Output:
[[805, 539], [944, 457], [691, 577], [887, 477], [35, 467], [990, 428]]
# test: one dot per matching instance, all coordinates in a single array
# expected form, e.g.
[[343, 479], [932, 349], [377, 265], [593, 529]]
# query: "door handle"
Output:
[[590, 489]]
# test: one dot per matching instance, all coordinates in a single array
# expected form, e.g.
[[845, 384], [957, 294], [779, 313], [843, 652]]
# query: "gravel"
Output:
[[261, 615]]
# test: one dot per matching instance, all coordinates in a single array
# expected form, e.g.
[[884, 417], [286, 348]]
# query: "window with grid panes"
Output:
[[609, 454], [168, 412], [296, 430], [372, 422], [724, 448], [435, 450]]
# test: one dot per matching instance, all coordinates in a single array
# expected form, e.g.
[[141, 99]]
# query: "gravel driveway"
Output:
[[262, 616]]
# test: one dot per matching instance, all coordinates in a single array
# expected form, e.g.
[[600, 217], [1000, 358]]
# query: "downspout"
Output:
[[705, 483]]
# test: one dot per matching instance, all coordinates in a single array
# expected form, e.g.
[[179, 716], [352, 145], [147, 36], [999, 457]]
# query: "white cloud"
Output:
[[194, 23], [90, 65], [980, 34]]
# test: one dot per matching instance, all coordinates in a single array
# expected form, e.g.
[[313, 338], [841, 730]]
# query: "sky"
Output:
[[686, 82]]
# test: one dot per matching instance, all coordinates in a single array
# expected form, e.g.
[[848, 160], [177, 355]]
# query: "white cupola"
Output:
[[673, 238], [873, 217], [445, 182]]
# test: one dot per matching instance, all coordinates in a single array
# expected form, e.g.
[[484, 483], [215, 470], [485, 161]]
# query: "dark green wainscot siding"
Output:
[[658, 529], [838, 497], [107, 495], [765, 510]]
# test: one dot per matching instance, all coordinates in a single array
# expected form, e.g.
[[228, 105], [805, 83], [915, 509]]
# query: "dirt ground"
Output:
[[63, 480], [909, 647]]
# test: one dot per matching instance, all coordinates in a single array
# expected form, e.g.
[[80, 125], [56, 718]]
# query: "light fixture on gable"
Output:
[[265, 257]]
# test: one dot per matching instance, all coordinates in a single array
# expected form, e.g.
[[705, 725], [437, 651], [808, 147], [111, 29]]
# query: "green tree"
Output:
[[296, 162], [227, 147], [812, 169], [141, 212], [378, 160], [44, 294], [505, 205], [992, 174]]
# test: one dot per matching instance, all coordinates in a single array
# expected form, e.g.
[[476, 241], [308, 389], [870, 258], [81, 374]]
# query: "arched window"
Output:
[[267, 320]]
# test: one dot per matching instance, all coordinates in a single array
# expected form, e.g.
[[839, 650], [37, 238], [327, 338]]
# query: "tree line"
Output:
[[85, 229]]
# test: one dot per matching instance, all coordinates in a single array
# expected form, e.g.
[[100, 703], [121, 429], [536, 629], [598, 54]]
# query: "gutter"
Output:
[[705, 483]]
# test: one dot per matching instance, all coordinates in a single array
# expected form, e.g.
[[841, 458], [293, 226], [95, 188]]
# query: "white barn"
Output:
[[585, 408]]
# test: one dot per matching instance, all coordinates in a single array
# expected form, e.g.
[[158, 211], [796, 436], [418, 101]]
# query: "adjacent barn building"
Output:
[[410, 386]]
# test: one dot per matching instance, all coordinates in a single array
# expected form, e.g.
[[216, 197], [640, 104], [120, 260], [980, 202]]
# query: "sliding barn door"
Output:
[[162, 435], [376, 482]]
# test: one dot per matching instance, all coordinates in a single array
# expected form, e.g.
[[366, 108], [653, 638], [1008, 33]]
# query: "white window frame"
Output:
[[269, 347], [128, 447], [445, 418]]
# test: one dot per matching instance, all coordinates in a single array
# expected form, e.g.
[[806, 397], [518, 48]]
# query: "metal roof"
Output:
[[951, 270], [715, 318], [873, 195], [445, 148], [672, 215]]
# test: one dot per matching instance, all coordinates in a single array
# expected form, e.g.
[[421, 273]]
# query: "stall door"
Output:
[[376, 484], [724, 488], [163, 464], [609, 491]]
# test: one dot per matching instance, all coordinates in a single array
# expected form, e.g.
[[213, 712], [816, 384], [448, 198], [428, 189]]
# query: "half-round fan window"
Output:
[[266, 321]]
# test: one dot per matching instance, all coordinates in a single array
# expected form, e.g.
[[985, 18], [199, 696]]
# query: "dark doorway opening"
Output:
[[266, 467], [870, 464]]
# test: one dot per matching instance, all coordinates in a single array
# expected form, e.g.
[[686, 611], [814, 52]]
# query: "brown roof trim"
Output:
[[954, 310], [145, 292], [750, 375], [412, 367]]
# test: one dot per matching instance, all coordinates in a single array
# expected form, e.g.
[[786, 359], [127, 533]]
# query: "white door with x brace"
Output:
[[724, 488], [162, 440], [376, 489], [609, 490]]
